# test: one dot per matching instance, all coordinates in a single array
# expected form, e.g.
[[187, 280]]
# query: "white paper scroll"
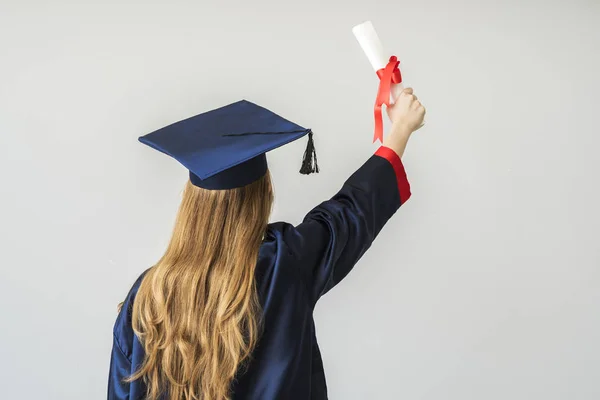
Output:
[[378, 57]]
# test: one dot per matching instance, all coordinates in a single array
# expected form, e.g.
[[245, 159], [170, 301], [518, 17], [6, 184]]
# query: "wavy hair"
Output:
[[197, 313]]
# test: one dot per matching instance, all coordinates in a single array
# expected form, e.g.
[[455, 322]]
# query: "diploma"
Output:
[[376, 54]]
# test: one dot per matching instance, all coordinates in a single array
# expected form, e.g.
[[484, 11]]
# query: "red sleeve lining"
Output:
[[402, 180]]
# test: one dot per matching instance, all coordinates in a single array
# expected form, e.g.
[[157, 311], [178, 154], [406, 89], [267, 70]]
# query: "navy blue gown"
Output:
[[296, 266]]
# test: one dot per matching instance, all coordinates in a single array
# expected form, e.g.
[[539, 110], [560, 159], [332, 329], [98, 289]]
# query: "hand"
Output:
[[406, 113]]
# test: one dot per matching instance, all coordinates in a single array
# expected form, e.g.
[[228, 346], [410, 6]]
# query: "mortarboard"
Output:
[[225, 148]]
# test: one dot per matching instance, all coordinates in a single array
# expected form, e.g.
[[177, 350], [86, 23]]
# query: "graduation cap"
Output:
[[225, 148]]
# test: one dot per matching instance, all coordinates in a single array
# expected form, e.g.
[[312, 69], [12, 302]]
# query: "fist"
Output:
[[407, 111]]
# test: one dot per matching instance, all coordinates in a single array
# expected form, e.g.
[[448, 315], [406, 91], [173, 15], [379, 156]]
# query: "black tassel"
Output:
[[309, 161]]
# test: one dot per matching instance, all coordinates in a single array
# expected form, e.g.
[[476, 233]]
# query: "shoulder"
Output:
[[311, 235], [283, 236], [280, 250], [293, 246], [123, 330], [276, 229]]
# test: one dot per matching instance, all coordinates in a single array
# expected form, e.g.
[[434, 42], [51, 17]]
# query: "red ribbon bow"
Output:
[[387, 75]]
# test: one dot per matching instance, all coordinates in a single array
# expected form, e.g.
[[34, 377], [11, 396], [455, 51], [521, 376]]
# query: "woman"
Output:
[[226, 313]]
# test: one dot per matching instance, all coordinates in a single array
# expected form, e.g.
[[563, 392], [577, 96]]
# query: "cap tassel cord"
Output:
[[309, 161]]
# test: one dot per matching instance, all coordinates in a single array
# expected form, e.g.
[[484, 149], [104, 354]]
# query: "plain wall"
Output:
[[484, 286]]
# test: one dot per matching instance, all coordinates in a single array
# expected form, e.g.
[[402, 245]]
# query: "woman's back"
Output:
[[296, 266]]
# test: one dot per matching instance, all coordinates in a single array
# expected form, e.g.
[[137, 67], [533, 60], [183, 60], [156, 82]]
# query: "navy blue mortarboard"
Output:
[[225, 148]]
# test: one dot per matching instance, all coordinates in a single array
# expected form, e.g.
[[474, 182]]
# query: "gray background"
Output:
[[484, 286]]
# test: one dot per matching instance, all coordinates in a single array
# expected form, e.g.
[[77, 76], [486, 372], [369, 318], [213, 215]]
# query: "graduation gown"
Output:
[[296, 266]]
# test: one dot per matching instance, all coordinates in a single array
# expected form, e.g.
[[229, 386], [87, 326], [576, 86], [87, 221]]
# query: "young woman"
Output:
[[226, 313]]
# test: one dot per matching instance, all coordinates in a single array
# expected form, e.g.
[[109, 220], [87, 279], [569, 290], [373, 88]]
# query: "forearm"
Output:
[[397, 138]]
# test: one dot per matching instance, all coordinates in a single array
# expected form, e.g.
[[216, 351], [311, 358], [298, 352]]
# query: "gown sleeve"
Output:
[[127, 354], [120, 368], [335, 234]]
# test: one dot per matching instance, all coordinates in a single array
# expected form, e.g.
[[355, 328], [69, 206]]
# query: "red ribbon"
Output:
[[388, 75]]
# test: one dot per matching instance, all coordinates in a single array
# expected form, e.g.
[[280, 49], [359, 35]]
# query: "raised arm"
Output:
[[335, 234]]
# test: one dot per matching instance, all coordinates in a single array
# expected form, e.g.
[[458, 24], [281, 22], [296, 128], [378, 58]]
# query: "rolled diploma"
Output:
[[371, 45]]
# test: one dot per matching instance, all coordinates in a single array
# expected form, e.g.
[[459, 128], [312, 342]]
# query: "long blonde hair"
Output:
[[197, 312]]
